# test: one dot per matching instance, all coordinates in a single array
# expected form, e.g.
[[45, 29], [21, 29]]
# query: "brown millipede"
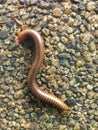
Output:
[[38, 59]]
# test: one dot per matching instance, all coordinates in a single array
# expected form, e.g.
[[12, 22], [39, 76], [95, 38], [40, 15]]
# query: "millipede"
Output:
[[37, 62]]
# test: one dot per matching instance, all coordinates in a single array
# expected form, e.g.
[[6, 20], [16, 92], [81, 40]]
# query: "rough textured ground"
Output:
[[70, 68]]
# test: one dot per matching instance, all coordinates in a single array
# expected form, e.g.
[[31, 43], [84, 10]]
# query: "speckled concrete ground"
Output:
[[70, 68]]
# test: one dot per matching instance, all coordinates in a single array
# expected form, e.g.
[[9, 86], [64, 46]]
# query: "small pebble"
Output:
[[95, 89], [64, 63], [66, 8], [82, 28], [89, 87], [57, 12], [76, 127], [90, 5], [62, 127], [2, 11], [69, 29], [64, 55], [96, 7], [10, 23], [32, 2], [96, 33], [92, 47], [81, 7], [75, 1], [27, 125], [79, 63], [15, 2], [12, 46], [74, 7], [60, 28], [70, 21], [90, 95], [84, 37], [3, 34], [22, 2], [64, 39], [45, 31], [43, 4], [92, 19], [49, 126], [61, 47], [71, 102], [3, 1]]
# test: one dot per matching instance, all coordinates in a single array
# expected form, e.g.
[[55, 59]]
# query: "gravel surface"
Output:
[[70, 68]]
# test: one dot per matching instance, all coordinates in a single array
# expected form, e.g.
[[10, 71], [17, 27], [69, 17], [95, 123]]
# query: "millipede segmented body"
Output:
[[38, 59]]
